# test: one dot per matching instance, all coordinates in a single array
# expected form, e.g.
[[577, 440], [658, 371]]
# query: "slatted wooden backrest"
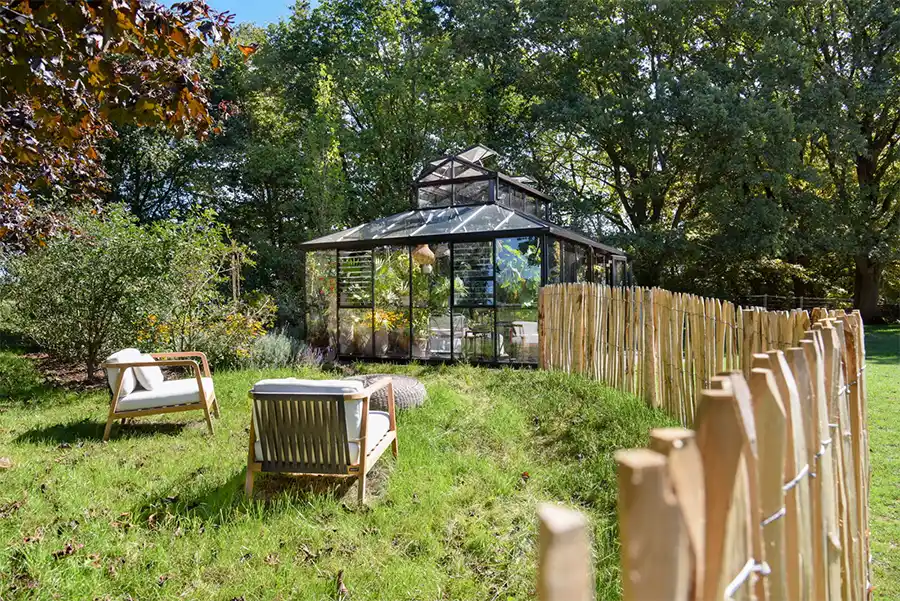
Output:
[[301, 433]]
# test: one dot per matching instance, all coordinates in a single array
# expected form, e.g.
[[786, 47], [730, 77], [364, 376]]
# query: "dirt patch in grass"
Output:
[[65, 374]]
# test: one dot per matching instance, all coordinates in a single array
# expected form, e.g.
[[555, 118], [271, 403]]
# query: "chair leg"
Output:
[[215, 405], [109, 423], [362, 489], [395, 446], [248, 483], [208, 420]]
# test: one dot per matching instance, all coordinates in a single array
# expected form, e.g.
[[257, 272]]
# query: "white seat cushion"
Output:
[[378, 425], [353, 409], [167, 394], [129, 355], [148, 377]]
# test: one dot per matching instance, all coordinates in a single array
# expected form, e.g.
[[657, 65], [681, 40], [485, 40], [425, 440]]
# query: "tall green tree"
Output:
[[848, 96]]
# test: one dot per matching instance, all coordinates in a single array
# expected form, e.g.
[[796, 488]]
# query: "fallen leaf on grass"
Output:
[[342, 591], [7, 509], [162, 580], [272, 559], [94, 560], [36, 538], [5, 463], [69, 549]]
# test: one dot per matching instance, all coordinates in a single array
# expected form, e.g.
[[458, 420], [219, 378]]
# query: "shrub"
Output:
[[108, 282], [278, 349], [81, 293]]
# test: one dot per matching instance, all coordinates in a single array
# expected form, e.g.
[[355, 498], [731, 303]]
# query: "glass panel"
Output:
[[504, 194], [431, 302], [434, 222], [355, 279], [518, 200], [321, 299], [518, 271], [599, 275], [392, 301], [554, 261], [517, 331], [472, 193], [618, 272], [473, 268], [355, 332], [531, 204], [581, 263], [434, 196], [473, 334]]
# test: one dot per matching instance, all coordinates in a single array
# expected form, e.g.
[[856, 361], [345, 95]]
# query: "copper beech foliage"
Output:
[[70, 70]]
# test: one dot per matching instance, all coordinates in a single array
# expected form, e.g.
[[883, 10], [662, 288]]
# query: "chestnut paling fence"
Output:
[[766, 497]]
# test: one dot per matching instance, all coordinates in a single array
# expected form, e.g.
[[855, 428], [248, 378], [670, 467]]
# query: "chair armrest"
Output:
[[170, 363], [369, 390], [184, 354]]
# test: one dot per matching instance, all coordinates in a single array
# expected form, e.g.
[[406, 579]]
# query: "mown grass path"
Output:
[[883, 381], [159, 513]]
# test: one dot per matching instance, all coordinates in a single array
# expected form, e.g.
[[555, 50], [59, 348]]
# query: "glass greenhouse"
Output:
[[454, 278]]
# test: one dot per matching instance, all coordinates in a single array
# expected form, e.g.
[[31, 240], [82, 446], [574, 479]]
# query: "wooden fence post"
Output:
[[721, 440], [685, 464], [655, 551], [564, 556], [771, 426]]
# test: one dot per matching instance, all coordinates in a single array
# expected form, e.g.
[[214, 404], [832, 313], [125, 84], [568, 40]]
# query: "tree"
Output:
[[849, 99], [653, 117], [70, 70]]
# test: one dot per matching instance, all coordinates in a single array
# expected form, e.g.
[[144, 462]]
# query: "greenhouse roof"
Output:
[[472, 222]]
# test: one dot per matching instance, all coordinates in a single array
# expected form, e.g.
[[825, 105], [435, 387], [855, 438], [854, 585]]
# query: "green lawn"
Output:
[[159, 513], [883, 381]]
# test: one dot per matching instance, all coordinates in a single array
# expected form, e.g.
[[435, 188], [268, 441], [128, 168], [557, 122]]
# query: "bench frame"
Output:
[[305, 434], [207, 403]]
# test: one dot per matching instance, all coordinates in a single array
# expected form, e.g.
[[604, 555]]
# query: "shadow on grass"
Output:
[[216, 505], [88, 429]]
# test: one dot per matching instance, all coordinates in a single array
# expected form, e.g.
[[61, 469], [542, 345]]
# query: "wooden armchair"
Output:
[[319, 427], [165, 396]]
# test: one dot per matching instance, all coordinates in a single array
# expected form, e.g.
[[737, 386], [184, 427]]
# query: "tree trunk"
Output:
[[866, 287], [91, 365]]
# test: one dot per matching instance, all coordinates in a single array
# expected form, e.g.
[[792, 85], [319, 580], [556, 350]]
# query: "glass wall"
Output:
[[554, 261], [354, 284], [432, 337], [599, 268], [391, 288], [431, 197], [456, 194], [518, 287], [321, 298], [516, 198], [473, 301]]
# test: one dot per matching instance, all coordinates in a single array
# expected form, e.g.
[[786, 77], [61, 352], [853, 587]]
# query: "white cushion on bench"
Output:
[[149, 377], [378, 425], [129, 355], [167, 394], [353, 409]]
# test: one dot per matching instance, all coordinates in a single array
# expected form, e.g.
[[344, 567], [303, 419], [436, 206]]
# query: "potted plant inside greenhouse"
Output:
[[456, 277]]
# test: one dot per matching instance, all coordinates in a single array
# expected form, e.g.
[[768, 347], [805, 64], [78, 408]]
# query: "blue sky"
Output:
[[260, 12]]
